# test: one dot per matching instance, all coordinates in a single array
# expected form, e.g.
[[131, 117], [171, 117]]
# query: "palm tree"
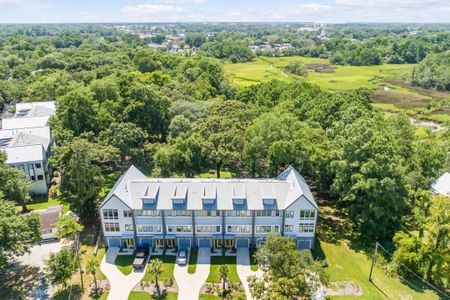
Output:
[[91, 267], [156, 267], [223, 276]]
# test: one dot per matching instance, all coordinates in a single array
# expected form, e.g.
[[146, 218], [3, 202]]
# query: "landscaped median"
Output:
[[146, 289], [146, 296], [192, 267], [213, 288], [124, 262]]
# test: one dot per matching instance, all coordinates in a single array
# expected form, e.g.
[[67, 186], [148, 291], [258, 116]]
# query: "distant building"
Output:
[[48, 219], [207, 213], [26, 140], [442, 185]]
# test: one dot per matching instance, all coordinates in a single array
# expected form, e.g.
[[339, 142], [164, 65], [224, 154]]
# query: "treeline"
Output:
[[433, 72]]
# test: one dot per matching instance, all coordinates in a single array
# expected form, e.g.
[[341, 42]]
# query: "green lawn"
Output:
[[253, 263], [44, 203], [345, 264], [169, 264], [216, 261], [343, 78], [393, 76], [192, 267], [146, 296], [125, 263], [100, 255], [208, 297], [103, 296]]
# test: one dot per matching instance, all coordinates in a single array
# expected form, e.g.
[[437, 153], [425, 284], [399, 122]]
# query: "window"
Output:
[[147, 213], [149, 228], [128, 227], [305, 227], [179, 228], [218, 228], [179, 213], [33, 178], [239, 228], [38, 165], [206, 213], [40, 177], [277, 228], [112, 227], [264, 213], [307, 214], [127, 213], [239, 213], [289, 214], [207, 228], [288, 228], [263, 228], [110, 214]]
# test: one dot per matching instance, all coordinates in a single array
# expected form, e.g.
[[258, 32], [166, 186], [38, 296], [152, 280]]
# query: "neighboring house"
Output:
[[208, 213], [442, 185], [26, 140], [48, 219]]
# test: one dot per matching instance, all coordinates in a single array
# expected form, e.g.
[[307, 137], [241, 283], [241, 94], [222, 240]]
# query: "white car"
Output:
[[182, 257]]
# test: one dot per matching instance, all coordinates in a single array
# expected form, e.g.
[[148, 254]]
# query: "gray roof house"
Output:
[[193, 212]]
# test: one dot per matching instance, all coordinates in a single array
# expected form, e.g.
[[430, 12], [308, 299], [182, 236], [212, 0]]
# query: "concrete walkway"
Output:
[[189, 285], [243, 269], [121, 285]]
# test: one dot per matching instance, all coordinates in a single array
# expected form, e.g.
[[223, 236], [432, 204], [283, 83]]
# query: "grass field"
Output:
[[391, 76], [169, 264], [348, 261], [208, 297], [146, 296], [216, 261]]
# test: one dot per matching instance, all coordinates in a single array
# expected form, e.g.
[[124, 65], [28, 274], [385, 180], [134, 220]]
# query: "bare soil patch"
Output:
[[343, 288], [320, 68], [401, 100], [427, 92]]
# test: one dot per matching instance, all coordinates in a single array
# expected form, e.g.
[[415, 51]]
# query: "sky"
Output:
[[321, 11]]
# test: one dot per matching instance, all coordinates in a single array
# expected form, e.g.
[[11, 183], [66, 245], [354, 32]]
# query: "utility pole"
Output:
[[77, 248], [373, 261]]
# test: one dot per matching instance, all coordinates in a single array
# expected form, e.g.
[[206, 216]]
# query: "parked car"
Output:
[[182, 257], [140, 258]]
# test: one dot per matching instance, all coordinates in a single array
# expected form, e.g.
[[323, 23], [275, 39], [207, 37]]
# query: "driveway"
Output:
[[37, 256], [243, 269], [121, 285], [189, 285]]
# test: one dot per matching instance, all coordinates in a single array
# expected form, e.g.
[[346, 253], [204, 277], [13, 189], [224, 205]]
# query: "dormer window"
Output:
[[150, 195], [179, 194], [239, 195], [268, 195], [209, 194]]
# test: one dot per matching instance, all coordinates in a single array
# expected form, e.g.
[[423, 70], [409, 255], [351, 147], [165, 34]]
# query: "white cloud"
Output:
[[182, 2], [141, 10], [387, 3]]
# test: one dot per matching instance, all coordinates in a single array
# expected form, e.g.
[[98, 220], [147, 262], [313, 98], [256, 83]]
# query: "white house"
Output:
[[26, 140], [442, 185], [215, 213]]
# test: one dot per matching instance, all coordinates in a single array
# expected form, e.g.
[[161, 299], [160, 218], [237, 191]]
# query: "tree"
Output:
[[284, 270], [17, 232], [67, 227], [60, 266], [156, 267], [178, 125], [223, 276], [81, 178], [127, 137], [91, 268], [13, 184], [297, 68]]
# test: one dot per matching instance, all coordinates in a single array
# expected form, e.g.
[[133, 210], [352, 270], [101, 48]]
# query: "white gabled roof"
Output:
[[25, 122], [120, 188], [442, 185], [285, 189], [35, 109], [22, 154]]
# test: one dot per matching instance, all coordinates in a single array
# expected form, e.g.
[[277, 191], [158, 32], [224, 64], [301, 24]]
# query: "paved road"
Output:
[[189, 285], [121, 285], [243, 269]]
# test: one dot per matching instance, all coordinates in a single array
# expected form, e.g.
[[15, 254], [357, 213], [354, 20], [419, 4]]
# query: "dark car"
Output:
[[182, 257], [140, 258]]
